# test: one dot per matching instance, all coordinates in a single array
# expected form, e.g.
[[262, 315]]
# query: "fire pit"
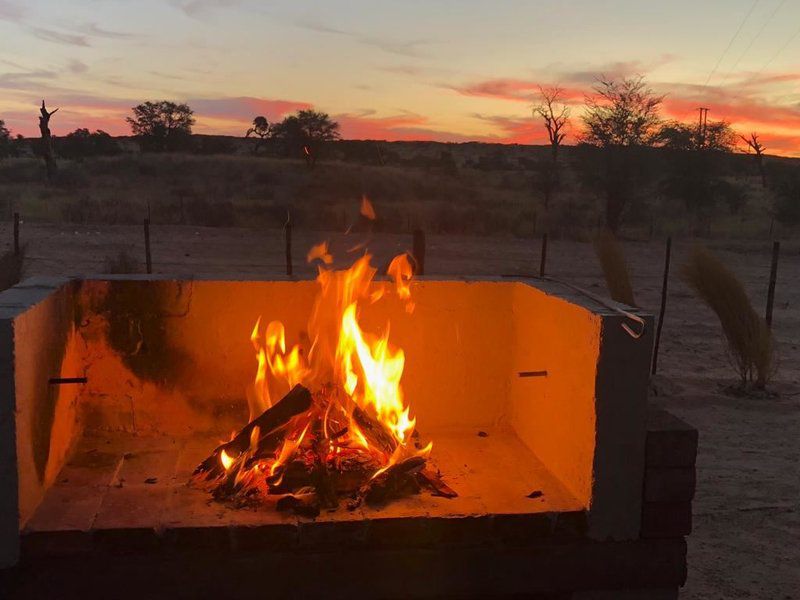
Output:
[[514, 439]]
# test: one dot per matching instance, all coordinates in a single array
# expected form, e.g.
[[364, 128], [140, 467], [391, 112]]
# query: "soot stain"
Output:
[[139, 315]]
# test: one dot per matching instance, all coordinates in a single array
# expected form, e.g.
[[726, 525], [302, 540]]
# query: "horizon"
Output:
[[401, 82]]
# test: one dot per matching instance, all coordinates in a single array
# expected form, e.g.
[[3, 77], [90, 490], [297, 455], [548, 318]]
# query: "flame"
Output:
[[345, 367], [367, 210], [227, 461], [320, 251]]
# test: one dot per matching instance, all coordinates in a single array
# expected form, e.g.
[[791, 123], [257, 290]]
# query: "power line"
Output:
[[724, 52], [777, 54], [753, 40], [730, 43]]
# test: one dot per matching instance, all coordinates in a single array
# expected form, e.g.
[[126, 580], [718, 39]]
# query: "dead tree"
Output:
[[555, 116], [755, 145], [47, 141]]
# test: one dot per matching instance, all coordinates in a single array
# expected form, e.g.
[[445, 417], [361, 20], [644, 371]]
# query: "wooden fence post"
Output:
[[16, 234], [663, 309], [419, 252], [147, 257], [543, 260], [288, 233], [773, 276]]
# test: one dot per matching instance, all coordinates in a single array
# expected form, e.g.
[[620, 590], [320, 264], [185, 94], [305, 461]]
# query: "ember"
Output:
[[341, 427]]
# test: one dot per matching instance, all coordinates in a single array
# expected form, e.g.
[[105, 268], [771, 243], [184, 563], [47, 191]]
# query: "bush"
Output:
[[615, 268], [749, 339]]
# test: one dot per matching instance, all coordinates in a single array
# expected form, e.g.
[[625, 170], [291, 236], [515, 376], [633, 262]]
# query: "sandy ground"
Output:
[[746, 538]]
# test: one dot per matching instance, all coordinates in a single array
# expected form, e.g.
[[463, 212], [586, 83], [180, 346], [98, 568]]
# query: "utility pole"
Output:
[[701, 127]]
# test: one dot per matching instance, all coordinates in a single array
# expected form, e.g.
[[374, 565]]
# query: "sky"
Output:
[[444, 70]]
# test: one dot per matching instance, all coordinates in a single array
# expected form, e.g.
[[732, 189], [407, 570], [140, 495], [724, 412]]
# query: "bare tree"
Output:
[[555, 115], [47, 141], [755, 146]]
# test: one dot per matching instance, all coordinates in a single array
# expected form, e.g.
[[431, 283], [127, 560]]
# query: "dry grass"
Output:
[[749, 339], [11, 268], [121, 264], [615, 268]]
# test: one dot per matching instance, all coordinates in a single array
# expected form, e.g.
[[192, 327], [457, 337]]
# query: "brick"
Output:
[[521, 529], [641, 594], [671, 442], [24, 296], [666, 519], [669, 484]]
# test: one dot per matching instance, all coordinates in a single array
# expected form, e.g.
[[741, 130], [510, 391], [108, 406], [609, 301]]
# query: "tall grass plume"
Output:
[[749, 339], [615, 268]]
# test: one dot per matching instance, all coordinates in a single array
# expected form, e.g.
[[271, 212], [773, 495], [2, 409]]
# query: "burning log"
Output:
[[397, 480], [296, 402], [433, 480], [305, 502], [375, 432]]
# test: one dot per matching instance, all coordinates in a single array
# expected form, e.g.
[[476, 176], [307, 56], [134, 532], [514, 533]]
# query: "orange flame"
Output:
[[366, 368], [367, 210]]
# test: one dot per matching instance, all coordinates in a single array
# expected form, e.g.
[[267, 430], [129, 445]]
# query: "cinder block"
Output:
[[51, 282], [671, 442], [669, 484], [24, 297], [666, 519]]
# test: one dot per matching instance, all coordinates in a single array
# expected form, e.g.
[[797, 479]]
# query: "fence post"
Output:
[[16, 234], [147, 257], [419, 252], [288, 233], [663, 309], [543, 261], [773, 276]]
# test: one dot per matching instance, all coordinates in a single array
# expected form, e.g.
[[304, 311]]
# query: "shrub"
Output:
[[749, 339], [615, 268]]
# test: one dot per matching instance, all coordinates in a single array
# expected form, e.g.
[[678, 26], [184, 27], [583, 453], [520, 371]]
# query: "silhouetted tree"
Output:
[[5, 140], [82, 143], [555, 115], [620, 118], [162, 125], [47, 141], [261, 129], [754, 145], [719, 136], [785, 180], [303, 132], [622, 113]]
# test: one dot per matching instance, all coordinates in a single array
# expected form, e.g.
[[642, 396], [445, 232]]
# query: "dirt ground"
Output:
[[746, 538]]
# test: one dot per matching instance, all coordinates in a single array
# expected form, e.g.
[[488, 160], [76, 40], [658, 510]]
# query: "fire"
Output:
[[355, 418]]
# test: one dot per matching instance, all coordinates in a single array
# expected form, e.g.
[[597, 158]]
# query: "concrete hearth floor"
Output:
[[131, 492]]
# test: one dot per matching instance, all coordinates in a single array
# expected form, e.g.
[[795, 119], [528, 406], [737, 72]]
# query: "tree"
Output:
[[303, 132], [717, 136], [555, 115], [162, 125], [82, 143], [47, 141], [261, 129], [754, 145], [5, 140], [622, 113], [620, 118]]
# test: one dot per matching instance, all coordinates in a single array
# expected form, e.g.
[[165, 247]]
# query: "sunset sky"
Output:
[[447, 70]]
